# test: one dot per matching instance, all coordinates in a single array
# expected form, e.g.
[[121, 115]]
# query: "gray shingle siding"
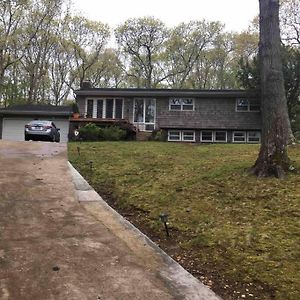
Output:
[[208, 114]]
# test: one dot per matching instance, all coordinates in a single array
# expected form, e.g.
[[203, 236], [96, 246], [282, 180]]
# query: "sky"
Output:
[[235, 14]]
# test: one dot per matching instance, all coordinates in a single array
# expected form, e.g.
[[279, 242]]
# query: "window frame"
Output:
[[181, 104], [181, 135], [169, 134], [222, 141], [144, 123], [250, 103], [245, 136], [254, 142], [95, 107], [188, 131], [207, 141]]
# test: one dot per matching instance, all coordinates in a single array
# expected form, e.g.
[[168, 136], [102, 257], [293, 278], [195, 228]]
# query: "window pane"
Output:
[[239, 136], [220, 136], [187, 101], [174, 136], [175, 107], [206, 136], [149, 127], [109, 108], [188, 135], [119, 108], [242, 105], [253, 136], [176, 101], [100, 109], [139, 110], [89, 110], [175, 104], [149, 110], [187, 107]]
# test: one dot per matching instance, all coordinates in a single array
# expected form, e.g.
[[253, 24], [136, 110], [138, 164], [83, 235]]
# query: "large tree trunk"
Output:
[[273, 158]]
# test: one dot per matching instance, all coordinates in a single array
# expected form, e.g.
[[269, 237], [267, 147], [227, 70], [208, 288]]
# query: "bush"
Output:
[[92, 132], [159, 135], [112, 133]]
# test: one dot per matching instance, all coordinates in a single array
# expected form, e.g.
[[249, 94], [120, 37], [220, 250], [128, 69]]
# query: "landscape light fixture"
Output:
[[164, 219], [91, 164]]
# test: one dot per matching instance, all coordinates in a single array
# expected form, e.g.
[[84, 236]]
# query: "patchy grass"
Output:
[[237, 233]]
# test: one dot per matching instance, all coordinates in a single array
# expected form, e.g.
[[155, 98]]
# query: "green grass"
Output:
[[226, 221]]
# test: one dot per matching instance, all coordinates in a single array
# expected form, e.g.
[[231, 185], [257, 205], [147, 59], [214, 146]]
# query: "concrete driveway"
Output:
[[53, 246]]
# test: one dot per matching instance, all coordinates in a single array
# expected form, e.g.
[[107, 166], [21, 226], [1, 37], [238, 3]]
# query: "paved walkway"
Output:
[[61, 241]]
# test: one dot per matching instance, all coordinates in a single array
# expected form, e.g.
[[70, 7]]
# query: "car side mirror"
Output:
[[58, 129]]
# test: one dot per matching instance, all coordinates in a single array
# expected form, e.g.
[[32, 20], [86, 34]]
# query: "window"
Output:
[[144, 113], [210, 136], [109, 111], [181, 104], [239, 136], [100, 109], [118, 108], [220, 136], [181, 136], [206, 136], [247, 105], [174, 135], [188, 136], [253, 137], [104, 108], [89, 109]]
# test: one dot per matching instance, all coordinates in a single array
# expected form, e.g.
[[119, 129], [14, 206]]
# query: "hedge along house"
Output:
[[206, 116]]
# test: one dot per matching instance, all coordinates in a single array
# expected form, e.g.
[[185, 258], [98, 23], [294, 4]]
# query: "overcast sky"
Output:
[[235, 14]]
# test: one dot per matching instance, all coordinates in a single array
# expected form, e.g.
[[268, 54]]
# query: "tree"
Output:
[[272, 158], [86, 40], [249, 78], [290, 21], [141, 40], [186, 46]]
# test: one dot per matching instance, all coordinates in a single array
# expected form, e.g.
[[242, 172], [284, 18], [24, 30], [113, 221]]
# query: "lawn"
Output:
[[236, 233]]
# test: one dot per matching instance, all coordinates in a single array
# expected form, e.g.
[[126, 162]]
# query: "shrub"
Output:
[[90, 132], [159, 135], [112, 133]]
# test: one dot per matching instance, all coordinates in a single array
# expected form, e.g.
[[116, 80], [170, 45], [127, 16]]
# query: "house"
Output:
[[14, 118], [206, 116]]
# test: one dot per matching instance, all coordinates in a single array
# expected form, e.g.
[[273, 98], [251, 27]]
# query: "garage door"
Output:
[[13, 129]]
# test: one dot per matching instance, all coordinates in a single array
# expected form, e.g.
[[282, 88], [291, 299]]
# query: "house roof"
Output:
[[37, 110], [134, 92]]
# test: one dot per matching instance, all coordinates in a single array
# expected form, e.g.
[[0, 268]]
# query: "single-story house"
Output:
[[14, 118], [206, 116]]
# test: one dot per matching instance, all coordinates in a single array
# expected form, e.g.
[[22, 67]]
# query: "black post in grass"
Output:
[[164, 218], [91, 165]]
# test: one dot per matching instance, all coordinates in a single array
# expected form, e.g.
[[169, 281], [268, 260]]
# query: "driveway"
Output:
[[53, 246]]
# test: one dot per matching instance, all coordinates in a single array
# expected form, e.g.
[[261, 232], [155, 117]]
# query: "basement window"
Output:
[[206, 136], [253, 137], [239, 137]]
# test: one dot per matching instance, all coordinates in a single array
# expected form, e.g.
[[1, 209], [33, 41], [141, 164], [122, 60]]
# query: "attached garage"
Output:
[[14, 119]]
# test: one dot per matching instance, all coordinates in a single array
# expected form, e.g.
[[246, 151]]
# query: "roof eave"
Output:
[[165, 93]]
